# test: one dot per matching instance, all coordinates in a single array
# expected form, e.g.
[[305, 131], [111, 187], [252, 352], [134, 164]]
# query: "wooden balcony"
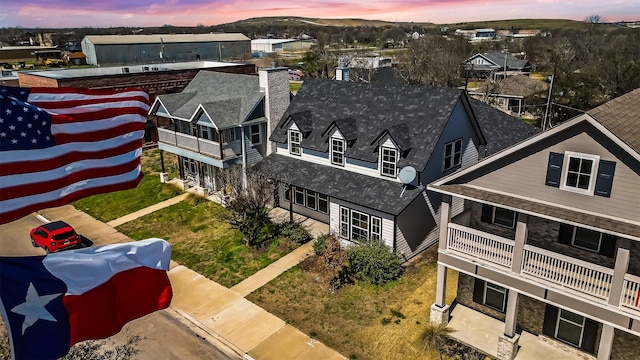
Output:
[[549, 268], [206, 147]]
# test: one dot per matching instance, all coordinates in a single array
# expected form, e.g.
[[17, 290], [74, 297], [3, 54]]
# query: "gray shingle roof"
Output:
[[371, 192], [621, 116], [499, 128], [228, 98], [498, 58], [420, 112]]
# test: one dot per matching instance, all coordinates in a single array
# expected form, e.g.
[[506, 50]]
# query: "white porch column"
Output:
[[445, 219], [440, 309], [508, 342], [606, 342], [522, 232], [244, 160], [620, 269]]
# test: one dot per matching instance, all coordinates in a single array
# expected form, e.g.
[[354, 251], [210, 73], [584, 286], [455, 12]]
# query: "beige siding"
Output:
[[526, 178]]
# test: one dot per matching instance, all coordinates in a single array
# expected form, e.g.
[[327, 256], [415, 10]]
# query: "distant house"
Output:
[[510, 94], [112, 50], [548, 246], [497, 64]]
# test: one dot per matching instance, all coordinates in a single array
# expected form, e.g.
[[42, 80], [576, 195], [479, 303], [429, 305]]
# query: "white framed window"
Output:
[[579, 172], [323, 203], [229, 135], [570, 327], [586, 239], [294, 142], [337, 151], [388, 160], [452, 154], [309, 199], [376, 227], [495, 296], [504, 217], [344, 222], [299, 196], [359, 225], [255, 134]]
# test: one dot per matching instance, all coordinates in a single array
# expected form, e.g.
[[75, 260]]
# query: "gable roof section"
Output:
[[419, 112], [456, 183], [500, 129], [621, 116], [497, 58], [228, 98]]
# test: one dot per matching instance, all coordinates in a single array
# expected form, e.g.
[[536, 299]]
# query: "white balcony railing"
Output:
[[211, 148], [568, 272], [630, 297], [542, 265], [484, 246]]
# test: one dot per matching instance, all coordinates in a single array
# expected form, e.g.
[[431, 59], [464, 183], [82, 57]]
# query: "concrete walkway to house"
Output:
[[481, 331], [222, 315], [148, 210]]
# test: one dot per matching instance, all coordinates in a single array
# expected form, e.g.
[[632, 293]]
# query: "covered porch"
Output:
[[481, 331]]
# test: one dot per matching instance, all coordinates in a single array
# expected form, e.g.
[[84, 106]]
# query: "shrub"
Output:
[[320, 245], [372, 261], [295, 231]]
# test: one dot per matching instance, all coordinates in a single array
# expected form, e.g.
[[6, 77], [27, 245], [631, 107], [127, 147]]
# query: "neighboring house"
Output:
[[219, 121], [111, 50], [357, 156], [510, 94], [496, 64], [549, 238]]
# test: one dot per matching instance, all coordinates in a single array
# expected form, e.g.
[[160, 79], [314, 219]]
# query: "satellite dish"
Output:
[[407, 174]]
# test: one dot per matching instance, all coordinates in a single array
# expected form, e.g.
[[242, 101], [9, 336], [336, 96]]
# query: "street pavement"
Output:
[[220, 315]]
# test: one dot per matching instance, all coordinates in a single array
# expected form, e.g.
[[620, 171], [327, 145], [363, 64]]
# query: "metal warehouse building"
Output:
[[110, 50]]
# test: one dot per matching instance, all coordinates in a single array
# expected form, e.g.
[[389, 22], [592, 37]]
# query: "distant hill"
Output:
[[524, 24]]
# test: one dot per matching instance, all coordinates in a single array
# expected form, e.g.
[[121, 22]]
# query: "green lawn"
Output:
[[203, 241], [106, 207], [360, 321]]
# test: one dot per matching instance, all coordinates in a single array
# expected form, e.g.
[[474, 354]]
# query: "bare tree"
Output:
[[433, 60], [250, 204]]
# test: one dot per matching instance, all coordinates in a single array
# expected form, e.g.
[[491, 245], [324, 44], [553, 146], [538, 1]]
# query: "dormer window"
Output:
[[388, 159], [337, 151], [294, 142], [256, 136], [452, 154]]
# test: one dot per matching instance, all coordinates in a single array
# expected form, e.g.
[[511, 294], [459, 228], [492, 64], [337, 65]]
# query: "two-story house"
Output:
[[548, 242], [358, 156], [220, 121]]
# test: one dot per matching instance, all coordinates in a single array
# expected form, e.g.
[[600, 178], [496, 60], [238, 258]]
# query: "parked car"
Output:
[[55, 236]]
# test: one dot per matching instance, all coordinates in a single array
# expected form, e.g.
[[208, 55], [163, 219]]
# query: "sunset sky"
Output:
[[134, 13]]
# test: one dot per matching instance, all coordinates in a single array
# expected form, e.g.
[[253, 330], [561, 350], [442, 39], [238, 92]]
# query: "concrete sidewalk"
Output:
[[222, 315]]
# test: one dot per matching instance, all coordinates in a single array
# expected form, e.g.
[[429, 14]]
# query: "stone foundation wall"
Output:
[[625, 346]]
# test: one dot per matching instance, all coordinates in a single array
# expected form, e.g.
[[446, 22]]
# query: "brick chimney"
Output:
[[274, 82]]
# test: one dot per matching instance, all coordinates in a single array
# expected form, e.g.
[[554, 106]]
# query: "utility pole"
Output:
[[546, 111]]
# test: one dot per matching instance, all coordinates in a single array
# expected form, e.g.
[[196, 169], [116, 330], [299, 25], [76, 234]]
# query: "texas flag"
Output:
[[51, 302]]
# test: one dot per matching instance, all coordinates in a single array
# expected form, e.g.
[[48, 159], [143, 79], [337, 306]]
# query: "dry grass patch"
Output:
[[360, 321]]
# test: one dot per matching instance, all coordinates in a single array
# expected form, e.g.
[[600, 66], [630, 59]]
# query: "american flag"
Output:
[[58, 145]]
